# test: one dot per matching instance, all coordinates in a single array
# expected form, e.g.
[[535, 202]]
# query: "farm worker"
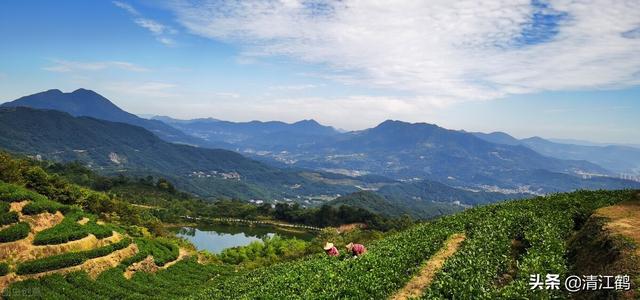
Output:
[[356, 249], [331, 250]]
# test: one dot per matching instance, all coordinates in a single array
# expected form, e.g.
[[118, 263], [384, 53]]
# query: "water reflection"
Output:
[[216, 238]]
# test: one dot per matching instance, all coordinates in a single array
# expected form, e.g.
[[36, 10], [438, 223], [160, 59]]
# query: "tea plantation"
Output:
[[505, 243], [474, 272]]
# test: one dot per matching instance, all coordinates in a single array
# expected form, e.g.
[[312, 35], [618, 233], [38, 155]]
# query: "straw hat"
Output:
[[349, 246], [328, 246]]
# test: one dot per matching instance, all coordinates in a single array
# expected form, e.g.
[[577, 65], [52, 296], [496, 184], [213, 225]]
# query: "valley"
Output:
[[314, 149], [94, 208], [126, 260], [409, 165]]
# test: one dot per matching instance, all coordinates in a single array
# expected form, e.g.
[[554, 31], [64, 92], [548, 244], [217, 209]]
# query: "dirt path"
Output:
[[148, 265], [22, 248], [624, 219], [417, 284], [350, 227], [608, 244], [181, 255]]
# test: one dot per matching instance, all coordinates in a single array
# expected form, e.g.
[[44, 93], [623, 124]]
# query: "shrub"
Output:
[[50, 263], [105, 250], [100, 231], [4, 269], [265, 252], [4, 207], [9, 218], [14, 193], [68, 259], [44, 205], [14, 232], [162, 251], [70, 230]]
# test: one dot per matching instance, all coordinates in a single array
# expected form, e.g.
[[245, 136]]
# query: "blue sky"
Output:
[[567, 70]]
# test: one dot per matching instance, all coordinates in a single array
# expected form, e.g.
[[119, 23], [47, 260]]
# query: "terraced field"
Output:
[[53, 251], [59, 252]]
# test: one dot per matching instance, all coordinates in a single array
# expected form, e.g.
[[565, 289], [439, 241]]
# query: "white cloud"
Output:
[[138, 90], [335, 111], [228, 95], [64, 66], [160, 31], [126, 7], [297, 87], [448, 50], [154, 27]]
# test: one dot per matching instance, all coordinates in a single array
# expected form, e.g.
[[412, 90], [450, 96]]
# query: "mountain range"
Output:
[[617, 158], [421, 169], [112, 148], [87, 103], [266, 136], [399, 150]]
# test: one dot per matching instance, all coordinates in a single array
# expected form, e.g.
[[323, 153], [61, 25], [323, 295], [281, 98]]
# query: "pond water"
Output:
[[215, 238]]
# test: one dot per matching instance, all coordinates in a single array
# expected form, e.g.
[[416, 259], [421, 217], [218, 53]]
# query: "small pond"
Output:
[[215, 238]]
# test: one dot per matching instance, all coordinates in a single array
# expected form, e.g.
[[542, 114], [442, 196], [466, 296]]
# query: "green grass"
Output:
[[14, 232]]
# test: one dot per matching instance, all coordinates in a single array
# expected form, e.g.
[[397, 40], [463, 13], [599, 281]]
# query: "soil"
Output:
[[415, 287]]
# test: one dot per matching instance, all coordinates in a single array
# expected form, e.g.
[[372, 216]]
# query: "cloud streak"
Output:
[[65, 66], [447, 50], [160, 31]]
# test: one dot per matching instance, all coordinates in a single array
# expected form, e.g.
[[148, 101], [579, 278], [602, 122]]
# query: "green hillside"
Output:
[[370, 201], [117, 147], [504, 244], [543, 224]]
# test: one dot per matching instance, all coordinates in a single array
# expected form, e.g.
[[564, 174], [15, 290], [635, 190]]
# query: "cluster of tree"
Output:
[[59, 188], [73, 183], [77, 173], [266, 252], [327, 215]]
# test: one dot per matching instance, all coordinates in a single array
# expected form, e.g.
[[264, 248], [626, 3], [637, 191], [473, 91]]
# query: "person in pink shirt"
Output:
[[331, 250], [356, 249]]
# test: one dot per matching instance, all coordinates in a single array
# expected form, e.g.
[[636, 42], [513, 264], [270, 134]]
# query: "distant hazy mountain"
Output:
[[618, 159], [394, 149], [498, 138], [112, 147], [272, 135], [88, 103], [425, 151], [589, 143], [398, 150]]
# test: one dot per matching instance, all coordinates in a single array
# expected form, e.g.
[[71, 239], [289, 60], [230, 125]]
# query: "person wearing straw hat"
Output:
[[330, 249], [356, 249]]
